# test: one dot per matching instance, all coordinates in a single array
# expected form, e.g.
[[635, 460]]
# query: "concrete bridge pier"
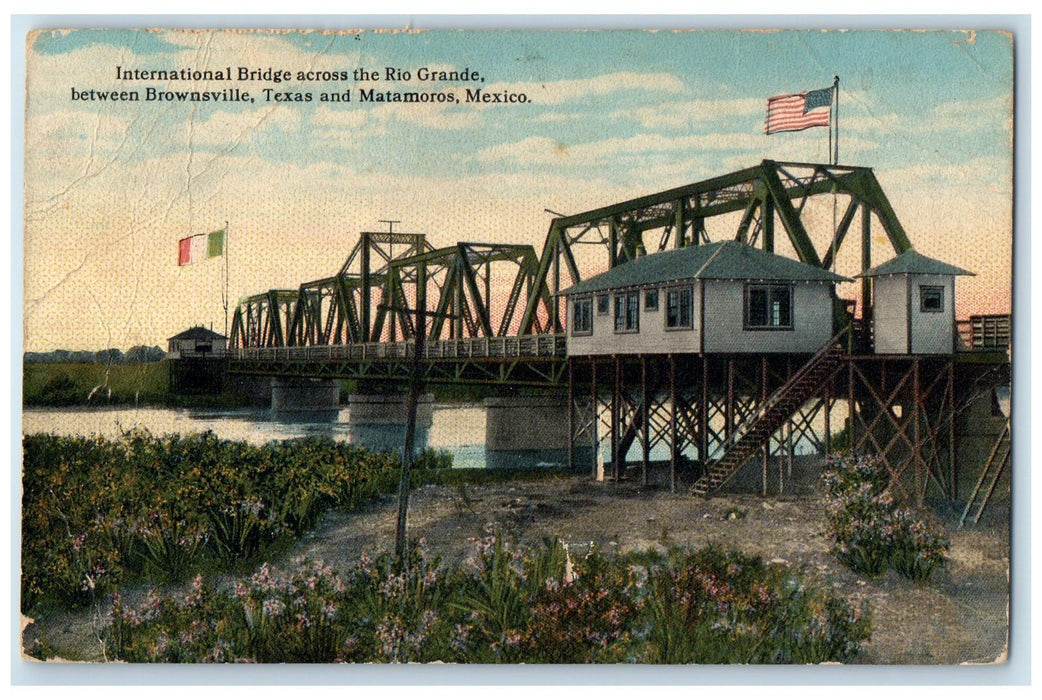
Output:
[[530, 432], [378, 421]]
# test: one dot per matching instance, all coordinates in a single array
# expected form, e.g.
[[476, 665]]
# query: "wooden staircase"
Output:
[[997, 462], [748, 438]]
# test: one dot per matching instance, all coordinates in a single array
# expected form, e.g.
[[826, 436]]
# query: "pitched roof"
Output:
[[913, 263], [198, 333], [725, 260]]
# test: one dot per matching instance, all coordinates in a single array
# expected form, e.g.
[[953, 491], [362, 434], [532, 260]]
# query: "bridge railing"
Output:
[[984, 332], [549, 345]]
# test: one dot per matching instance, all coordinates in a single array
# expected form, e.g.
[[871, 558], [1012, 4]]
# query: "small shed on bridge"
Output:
[[725, 297], [196, 342], [913, 305]]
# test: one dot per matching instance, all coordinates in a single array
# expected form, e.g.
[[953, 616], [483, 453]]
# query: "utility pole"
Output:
[[412, 399]]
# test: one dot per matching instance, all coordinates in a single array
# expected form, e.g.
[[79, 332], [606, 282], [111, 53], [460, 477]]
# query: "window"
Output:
[[768, 306], [582, 320], [627, 312], [651, 300], [602, 305], [678, 308], [931, 299]]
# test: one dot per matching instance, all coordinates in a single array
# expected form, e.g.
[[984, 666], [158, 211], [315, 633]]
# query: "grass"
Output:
[[84, 384], [57, 384]]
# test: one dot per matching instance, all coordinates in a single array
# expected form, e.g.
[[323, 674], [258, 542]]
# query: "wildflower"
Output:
[[153, 602], [273, 607], [196, 595], [460, 639]]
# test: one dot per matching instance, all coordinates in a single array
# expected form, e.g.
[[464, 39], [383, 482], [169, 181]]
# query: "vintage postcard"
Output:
[[504, 347]]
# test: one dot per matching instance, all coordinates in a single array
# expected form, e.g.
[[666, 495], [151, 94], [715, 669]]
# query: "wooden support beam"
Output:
[[596, 425], [571, 417], [953, 434], [829, 386], [616, 418], [645, 428], [850, 407], [673, 447], [767, 438], [729, 406], [703, 415], [917, 455]]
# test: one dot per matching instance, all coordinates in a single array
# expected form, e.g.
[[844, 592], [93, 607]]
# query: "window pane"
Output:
[[931, 298], [651, 300], [781, 307], [602, 304], [582, 322], [757, 310], [620, 312], [678, 308], [632, 311]]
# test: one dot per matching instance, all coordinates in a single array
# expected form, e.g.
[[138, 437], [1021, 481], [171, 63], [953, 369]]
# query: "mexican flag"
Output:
[[200, 247]]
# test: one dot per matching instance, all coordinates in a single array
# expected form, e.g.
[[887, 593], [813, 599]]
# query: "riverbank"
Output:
[[959, 617], [94, 385]]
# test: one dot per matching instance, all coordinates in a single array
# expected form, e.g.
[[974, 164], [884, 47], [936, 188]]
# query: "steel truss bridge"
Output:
[[492, 315]]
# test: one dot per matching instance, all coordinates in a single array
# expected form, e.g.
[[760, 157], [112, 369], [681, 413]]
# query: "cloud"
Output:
[[541, 150], [675, 114]]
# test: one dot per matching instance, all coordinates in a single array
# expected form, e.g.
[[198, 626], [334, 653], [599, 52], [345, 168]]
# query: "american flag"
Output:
[[799, 111]]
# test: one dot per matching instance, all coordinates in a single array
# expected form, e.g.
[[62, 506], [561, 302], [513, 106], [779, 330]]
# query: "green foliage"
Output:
[[918, 551], [870, 532], [98, 513], [74, 383], [713, 606], [60, 390], [434, 459], [506, 604]]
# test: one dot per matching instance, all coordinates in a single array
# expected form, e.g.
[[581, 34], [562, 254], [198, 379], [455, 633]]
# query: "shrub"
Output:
[[434, 459], [917, 550], [505, 604], [870, 533], [99, 513]]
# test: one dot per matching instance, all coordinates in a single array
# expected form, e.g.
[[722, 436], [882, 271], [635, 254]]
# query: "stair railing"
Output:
[[779, 394]]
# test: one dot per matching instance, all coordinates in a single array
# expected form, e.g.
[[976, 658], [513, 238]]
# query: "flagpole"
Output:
[[835, 87], [226, 246]]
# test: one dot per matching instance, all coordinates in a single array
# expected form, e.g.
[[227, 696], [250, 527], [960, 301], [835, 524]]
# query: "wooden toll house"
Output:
[[913, 305], [196, 342], [725, 297]]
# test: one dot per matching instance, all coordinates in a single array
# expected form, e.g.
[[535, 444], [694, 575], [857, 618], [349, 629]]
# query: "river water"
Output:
[[457, 428]]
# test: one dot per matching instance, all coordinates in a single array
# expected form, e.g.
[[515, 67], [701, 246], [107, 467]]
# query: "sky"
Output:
[[110, 187]]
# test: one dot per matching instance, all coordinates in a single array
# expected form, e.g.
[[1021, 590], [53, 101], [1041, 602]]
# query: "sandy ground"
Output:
[[960, 617]]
